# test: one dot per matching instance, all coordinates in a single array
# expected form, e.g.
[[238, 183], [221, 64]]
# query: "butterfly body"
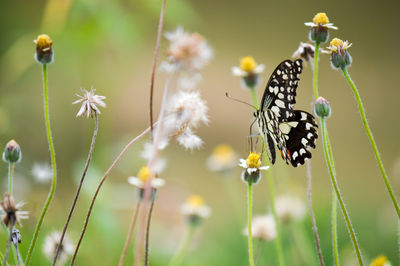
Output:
[[293, 132]]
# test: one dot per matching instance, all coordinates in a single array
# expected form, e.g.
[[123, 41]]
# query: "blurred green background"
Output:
[[110, 45]]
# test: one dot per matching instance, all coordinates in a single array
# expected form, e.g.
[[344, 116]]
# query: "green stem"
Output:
[[53, 166], [337, 191], [334, 230], [11, 167], [371, 139], [254, 97], [250, 210], [185, 243], [315, 79]]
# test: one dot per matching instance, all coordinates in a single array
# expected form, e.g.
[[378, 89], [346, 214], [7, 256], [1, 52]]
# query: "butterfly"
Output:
[[292, 131]]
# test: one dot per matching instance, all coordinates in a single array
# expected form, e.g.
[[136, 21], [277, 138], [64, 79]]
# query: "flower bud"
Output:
[[251, 177], [319, 34], [340, 57], [12, 152], [44, 53], [322, 108]]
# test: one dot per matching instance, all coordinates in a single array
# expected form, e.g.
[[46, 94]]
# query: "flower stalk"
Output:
[[130, 234], [184, 245], [11, 168], [249, 214]]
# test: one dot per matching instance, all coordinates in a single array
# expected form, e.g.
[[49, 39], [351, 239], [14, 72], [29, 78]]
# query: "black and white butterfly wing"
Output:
[[280, 92], [300, 133]]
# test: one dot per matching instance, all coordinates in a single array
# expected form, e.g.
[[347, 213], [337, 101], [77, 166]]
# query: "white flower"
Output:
[[187, 51], [321, 20], [290, 208], [42, 172], [305, 51], [194, 206], [89, 102], [263, 228], [50, 247], [248, 67], [252, 164], [143, 175], [223, 158], [338, 46]]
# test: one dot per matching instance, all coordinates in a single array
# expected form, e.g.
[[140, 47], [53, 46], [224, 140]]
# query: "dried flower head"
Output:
[[290, 208], [263, 228], [42, 172], [187, 51], [319, 28], [305, 52], [340, 57], [380, 261], [44, 52], [51, 244], [143, 175], [11, 212], [249, 71], [222, 159], [252, 167], [195, 210], [89, 102], [12, 152]]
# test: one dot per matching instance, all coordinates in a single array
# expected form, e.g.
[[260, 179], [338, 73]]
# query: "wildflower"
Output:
[[195, 210], [51, 244], [142, 177], [380, 261], [187, 51], [11, 212], [289, 208], [305, 52], [252, 167], [249, 71], [322, 108], [44, 52], [340, 57], [89, 101], [42, 172], [12, 152], [319, 28], [263, 228], [222, 159]]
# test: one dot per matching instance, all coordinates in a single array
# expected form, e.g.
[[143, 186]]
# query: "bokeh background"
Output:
[[109, 45]]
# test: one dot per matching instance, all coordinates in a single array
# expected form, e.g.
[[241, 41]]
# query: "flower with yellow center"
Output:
[[195, 207], [338, 46], [44, 52], [143, 176], [340, 57], [43, 42], [248, 67], [252, 167], [223, 158], [321, 20], [380, 261]]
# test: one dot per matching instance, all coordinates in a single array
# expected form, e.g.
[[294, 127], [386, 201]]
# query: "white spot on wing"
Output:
[[294, 155], [304, 141], [280, 103], [308, 126], [302, 151], [303, 116], [310, 135]]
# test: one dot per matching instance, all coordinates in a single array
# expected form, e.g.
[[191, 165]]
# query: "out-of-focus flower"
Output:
[[252, 167], [12, 152], [42, 172], [305, 52], [319, 28], [263, 228], [12, 212], [44, 52], [322, 108], [380, 261], [195, 210], [89, 102], [340, 57], [159, 163], [249, 71], [223, 158], [289, 208], [51, 244], [187, 51], [142, 177]]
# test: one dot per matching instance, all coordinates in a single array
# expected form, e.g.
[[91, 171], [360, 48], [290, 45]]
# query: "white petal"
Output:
[[260, 68], [236, 71], [157, 182], [135, 181], [310, 24]]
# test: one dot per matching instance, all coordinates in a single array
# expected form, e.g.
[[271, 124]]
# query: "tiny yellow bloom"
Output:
[[195, 201], [144, 173], [43, 42], [248, 63], [253, 161], [380, 261], [195, 209], [337, 45], [321, 18]]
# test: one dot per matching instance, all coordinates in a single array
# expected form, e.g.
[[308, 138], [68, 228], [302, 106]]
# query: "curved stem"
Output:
[[130, 234], [249, 213], [96, 128], [146, 256], [371, 139], [11, 167], [53, 166], [184, 245], [337, 191], [315, 78], [99, 187]]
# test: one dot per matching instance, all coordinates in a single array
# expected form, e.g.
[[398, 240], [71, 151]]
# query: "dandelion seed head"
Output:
[[304, 51], [290, 208], [42, 172], [51, 244], [11, 211], [263, 228], [89, 103]]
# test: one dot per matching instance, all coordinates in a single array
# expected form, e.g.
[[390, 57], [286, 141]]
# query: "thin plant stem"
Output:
[[16, 253], [130, 233], [312, 215], [53, 166], [107, 173], [11, 167], [371, 139], [9, 240], [315, 68], [338, 195], [146, 256], [153, 72], [254, 97], [183, 246], [89, 158], [334, 230], [249, 214]]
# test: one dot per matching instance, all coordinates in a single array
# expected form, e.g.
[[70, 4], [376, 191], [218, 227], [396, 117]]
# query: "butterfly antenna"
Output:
[[237, 100]]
